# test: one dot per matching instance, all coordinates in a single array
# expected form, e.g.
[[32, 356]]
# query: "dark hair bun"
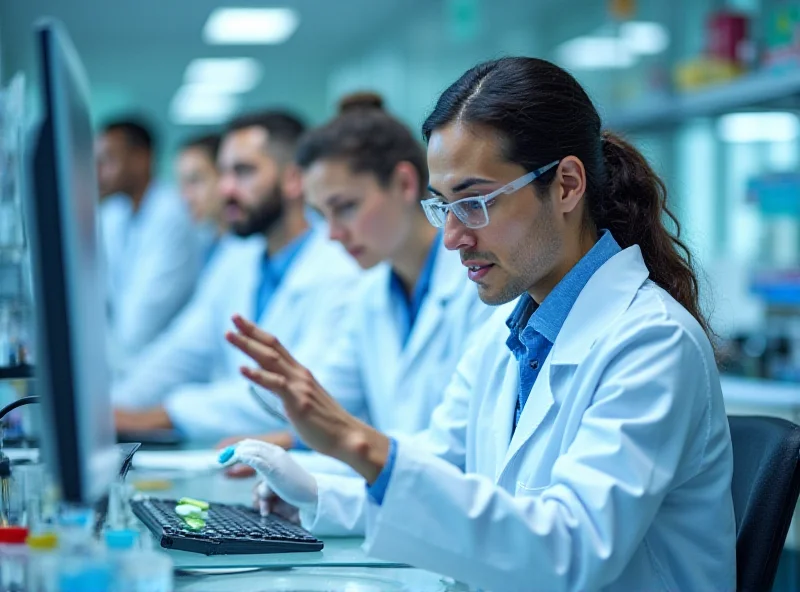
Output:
[[360, 101]]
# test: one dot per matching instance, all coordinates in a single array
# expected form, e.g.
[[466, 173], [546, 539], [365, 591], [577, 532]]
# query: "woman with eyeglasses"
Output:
[[598, 455]]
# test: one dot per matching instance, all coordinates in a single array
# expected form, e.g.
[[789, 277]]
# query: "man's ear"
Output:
[[571, 183], [406, 180], [292, 182]]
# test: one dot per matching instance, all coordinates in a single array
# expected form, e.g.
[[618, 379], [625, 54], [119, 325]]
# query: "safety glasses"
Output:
[[472, 211]]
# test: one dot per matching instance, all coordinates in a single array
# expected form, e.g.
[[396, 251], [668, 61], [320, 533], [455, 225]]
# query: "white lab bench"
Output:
[[749, 396]]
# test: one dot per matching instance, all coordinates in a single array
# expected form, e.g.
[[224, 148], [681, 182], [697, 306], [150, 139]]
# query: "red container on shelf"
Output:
[[727, 37]]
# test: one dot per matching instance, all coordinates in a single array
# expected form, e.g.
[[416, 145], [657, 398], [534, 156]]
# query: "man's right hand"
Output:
[[287, 489]]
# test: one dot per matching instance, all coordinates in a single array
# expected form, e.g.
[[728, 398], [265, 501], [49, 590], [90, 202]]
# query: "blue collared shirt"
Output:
[[407, 308], [533, 331], [273, 269], [534, 327]]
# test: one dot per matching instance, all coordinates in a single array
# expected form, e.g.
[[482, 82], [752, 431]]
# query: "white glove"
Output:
[[286, 488]]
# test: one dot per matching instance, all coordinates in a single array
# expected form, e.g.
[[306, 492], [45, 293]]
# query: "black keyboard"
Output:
[[229, 530]]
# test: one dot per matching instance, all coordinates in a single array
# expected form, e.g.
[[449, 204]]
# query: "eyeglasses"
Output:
[[471, 211]]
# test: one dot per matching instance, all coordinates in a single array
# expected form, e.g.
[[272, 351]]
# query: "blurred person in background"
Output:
[[413, 316], [198, 180], [151, 248], [286, 272]]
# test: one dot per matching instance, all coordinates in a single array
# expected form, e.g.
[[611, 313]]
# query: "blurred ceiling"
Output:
[[136, 52]]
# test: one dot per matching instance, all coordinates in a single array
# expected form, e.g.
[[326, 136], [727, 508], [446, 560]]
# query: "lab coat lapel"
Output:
[[383, 324], [539, 402], [606, 295], [303, 274], [445, 282], [236, 289], [504, 409]]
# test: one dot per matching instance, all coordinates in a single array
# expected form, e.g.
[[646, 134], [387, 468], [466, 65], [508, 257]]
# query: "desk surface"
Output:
[[340, 579], [760, 393], [342, 565]]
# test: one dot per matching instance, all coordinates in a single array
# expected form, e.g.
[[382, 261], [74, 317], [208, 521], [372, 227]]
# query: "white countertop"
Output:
[[761, 393]]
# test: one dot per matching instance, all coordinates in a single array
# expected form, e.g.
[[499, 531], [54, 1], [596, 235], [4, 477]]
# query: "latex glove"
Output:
[[241, 471], [286, 488]]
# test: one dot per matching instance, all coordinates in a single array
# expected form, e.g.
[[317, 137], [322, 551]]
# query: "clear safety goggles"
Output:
[[471, 211]]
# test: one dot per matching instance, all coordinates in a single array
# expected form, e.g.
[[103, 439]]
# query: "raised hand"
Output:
[[319, 420]]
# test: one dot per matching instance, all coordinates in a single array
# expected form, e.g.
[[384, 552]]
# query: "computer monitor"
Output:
[[73, 378]]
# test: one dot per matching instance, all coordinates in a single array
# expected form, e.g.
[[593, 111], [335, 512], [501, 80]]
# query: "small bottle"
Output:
[[13, 559], [83, 565], [120, 545], [85, 574], [147, 570], [42, 562]]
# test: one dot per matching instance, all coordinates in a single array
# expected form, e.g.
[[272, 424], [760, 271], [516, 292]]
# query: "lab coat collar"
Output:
[[309, 266], [153, 193], [447, 275], [122, 203], [607, 294], [445, 280]]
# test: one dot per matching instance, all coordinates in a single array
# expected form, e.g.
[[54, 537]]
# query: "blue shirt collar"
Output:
[[424, 281], [548, 318], [280, 262], [421, 288]]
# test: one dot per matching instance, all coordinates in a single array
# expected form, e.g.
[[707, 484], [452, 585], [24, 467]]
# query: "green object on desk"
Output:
[[193, 502], [185, 510], [194, 522]]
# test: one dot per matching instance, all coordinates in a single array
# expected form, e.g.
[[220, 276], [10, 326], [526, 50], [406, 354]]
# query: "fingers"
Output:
[[252, 331], [263, 498], [264, 355], [284, 509], [261, 456], [263, 490], [245, 326], [271, 381], [240, 472], [268, 502]]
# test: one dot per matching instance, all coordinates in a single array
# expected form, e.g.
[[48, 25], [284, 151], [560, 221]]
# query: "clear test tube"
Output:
[[31, 488], [13, 559]]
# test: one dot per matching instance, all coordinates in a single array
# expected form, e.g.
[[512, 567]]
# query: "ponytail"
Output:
[[634, 208]]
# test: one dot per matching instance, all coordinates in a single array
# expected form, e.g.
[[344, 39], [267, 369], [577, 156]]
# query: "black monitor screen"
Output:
[[78, 433]]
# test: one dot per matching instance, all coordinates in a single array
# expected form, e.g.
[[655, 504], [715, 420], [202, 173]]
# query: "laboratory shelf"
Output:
[[767, 89]]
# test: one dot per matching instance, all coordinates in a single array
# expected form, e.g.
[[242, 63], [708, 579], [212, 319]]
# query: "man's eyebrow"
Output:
[[464, 185]]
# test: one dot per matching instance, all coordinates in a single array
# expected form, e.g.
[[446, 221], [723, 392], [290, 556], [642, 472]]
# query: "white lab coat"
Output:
[[194, 373], [152, 260], [398, 389], [398, 386], [617, 477]]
